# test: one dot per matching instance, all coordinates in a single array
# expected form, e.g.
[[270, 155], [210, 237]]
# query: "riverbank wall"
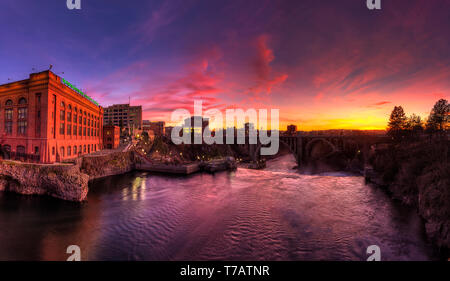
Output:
[[63, 181], [418, 175], [66, 181], [104, 165], [69, 181]]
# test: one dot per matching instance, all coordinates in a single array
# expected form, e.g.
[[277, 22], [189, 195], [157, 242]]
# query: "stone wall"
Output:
[[104, 165], [63, 181], [67, 181]]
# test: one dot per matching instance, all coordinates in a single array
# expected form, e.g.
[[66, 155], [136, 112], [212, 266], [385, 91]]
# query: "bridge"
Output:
[[306, 148]]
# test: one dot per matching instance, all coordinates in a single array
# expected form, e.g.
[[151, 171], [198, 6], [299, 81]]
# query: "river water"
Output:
[[271, 214]]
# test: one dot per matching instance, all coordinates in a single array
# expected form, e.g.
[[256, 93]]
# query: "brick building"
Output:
[[124, 116], [111, 136], [157, 127], [46, 119]]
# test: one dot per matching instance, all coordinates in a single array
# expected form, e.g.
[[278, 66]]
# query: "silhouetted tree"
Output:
[[439, 117], [414, 126], [397, 123]]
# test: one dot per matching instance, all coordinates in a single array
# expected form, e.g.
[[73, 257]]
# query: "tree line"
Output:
[[401, 127]]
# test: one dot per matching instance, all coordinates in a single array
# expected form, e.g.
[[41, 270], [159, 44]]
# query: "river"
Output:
[[270, 214]]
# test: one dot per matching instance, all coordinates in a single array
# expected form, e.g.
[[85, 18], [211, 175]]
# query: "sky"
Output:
[[323, 64]]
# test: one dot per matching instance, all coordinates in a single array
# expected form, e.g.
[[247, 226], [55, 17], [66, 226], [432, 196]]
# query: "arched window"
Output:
[[20, 149], [70, 107], [63, 104], [9, 103], [62, 151], [22, 101], [6, 151], [74, 150]]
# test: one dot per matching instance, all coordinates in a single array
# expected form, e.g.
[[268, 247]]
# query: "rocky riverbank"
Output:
[[418, 175], [63, 181], [66, 181], [69, 181], [104, 165]]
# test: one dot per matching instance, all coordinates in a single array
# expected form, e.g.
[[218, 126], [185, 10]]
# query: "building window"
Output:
[[69, 116], [9, 103], [75, 118], [22, 113], [74, 150], [53, 150], [89, 132], [80, 131], [62, 114], [69, 151], [20, 151], [74, 130], [22, 101], [84, 131], [84, 149], [80, 119], [36, 150], [22, 127], [84, 121], [79, 150], [62, 151], [8, 120], [69, 129], [61, 128]]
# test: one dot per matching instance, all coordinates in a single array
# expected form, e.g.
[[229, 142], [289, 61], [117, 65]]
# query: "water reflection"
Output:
[[273, 214]]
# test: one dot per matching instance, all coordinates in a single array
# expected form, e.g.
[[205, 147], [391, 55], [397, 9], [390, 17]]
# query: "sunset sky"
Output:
[[324, 64]]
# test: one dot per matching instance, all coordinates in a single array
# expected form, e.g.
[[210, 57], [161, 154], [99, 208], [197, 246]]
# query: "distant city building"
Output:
[[46, 119], [168, 131], [194, 121], [291, 130], [146, 125], [111, 136], [124, 116], [157, 127], [249, 127]]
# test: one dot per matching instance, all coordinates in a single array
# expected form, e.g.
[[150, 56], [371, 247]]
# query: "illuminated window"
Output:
[[22, 127], [22, 113]]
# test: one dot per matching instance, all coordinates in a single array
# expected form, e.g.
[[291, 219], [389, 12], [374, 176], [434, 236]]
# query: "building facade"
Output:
[[111, 136], [124, 116], [46, 119], [157, 127], [291, 130]]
